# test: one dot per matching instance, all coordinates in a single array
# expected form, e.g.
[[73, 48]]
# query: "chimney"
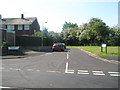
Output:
[[22, 16]]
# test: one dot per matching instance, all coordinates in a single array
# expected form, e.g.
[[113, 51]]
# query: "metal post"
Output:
[[14, 39], [42, 33], [101, 49], [106, 49], [42, 37]]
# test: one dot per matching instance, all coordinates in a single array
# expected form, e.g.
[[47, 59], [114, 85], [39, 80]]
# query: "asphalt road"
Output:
[[72, 68]]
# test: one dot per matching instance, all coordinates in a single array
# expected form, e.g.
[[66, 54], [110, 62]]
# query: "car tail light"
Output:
[[53, 46]]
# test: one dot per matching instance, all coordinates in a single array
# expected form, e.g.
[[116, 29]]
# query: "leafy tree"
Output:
[[96, 32], [69, 25], [69, 33], [37, 34], [114, 36], [56, 37], [82, 34]]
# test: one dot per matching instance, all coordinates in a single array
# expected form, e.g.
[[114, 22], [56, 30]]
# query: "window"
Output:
[[10, 27], [34, 30], [4, 26], [20, 27], [27, 27]]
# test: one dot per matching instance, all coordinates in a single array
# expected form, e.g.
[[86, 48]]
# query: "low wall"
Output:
[[39, 48], [32, 41]]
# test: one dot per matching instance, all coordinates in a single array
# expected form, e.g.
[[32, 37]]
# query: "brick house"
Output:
[[6, 37], [22, 26], [2, 35]]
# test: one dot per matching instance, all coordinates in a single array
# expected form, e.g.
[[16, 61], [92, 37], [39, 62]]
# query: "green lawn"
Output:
[[111, 50]]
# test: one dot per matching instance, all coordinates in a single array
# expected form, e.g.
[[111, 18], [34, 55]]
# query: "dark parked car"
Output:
[[58, 47], [64, 45]]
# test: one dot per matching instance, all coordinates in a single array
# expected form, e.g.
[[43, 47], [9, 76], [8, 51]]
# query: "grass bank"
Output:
[[111, 50]]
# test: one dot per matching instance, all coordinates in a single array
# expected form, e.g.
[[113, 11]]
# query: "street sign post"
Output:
[[104, 46]]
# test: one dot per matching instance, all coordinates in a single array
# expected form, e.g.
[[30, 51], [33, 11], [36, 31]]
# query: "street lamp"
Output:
[[42, 31]]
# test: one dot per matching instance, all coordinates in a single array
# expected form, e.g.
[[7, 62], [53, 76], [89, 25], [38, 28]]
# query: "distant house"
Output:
[[22, 26], [6, 37], [2, 35]]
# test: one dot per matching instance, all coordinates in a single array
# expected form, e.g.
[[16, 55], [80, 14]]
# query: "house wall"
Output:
[[7, 37], [21, 32], [35, 26], [2, 35], [10, 38]]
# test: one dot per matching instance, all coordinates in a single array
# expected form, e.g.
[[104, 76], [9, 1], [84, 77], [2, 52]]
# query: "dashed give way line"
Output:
[[4, 87], [86, 72]]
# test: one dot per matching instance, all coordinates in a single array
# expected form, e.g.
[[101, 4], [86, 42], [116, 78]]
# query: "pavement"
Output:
[[26, 54], [110, 57]]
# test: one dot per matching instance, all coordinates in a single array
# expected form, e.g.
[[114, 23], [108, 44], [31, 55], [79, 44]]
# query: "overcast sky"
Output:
[[56, 12]]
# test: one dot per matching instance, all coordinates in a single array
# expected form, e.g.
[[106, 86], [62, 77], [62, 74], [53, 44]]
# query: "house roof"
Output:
[[14, 21]]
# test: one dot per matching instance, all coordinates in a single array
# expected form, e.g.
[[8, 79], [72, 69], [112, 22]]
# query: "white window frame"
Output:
[[26, 27], [10, 27], [20, 27], [3, 26]]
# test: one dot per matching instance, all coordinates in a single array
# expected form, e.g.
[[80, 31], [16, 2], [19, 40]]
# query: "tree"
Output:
[[114, 36], [55, 37], [96, 32], [69, 25], [69, 33], [37, 34], [82, 34]]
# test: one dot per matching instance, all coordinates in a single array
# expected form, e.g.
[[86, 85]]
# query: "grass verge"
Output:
[[111, 50]]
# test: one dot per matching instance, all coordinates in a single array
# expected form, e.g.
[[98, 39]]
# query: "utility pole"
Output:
[[42, 33]]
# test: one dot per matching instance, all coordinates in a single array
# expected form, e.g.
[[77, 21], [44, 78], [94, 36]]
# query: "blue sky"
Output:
[[56, 12]]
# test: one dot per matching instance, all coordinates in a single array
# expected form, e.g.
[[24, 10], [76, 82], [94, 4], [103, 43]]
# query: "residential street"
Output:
[[72, 68]]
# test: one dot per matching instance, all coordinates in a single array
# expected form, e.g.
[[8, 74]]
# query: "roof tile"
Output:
[[7, 21]]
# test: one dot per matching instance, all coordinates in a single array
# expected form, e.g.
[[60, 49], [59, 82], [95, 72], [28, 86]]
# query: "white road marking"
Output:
[[11, 68], [114, 73], [2, 68], [18, 69], [48, 53], [30, 70], [4, 87], [68, 71], [38, 70], [67, 56], [83, 72], [98, 73], [41, 55], [53, 71]]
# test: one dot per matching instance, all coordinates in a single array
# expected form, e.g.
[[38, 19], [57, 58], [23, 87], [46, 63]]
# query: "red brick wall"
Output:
[[21, 32], [33, 26]]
